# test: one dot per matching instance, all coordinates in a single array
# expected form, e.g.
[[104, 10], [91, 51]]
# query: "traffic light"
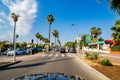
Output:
[[32, 41]]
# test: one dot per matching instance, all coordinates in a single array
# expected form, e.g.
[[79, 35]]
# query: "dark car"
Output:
[[62, 50], [56, 49], [33, 50], [72, 50]]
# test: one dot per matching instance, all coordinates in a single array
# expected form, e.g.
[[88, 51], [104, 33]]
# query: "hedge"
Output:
[[115, 48]]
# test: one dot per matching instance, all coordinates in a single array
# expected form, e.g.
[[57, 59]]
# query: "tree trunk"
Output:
[[49, 36]]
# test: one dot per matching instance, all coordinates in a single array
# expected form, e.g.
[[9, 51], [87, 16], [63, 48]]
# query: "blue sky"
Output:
[[33, 13]]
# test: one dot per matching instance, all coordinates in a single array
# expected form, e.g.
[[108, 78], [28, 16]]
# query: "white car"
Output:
[[10, 53], [18, 52]]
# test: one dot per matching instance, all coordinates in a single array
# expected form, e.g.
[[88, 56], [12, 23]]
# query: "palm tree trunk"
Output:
[[40, 42], [37, 41], [55, 41], [49, 36]]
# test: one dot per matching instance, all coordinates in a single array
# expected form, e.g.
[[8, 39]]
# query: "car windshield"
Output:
[[70, 37]]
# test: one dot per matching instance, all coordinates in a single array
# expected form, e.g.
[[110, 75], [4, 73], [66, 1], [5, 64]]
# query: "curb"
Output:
[[6, 65]]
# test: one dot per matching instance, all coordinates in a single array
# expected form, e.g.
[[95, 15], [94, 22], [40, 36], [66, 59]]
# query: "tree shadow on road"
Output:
[[34, 64]]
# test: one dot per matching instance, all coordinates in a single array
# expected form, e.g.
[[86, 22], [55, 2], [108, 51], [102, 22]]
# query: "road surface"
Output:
[[52, 62]]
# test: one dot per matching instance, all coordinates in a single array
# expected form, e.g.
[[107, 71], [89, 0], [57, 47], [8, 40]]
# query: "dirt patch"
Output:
[[113, 72], [4, 63]]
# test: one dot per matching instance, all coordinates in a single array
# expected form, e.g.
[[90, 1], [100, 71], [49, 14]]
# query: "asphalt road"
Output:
[[50, 63]]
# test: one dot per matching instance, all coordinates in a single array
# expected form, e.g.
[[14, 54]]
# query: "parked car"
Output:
[[18, 52], [21, 51], [56, 49], [72, 50], [5, 52], [39, 49], [62, 50], [10, 52], [33, 50]]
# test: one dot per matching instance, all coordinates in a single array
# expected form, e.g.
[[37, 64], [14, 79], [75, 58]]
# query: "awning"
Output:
[[99, 42]]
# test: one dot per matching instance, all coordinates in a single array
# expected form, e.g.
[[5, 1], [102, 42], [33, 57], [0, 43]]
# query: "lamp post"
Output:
[[15, 19]]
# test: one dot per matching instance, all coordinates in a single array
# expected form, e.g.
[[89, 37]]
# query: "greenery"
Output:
[[114, 5], [106, 62], [92, 56], [95, 33], [83, 40], [95, 56], [70, 45], [55, 33], [87, 54], [116, 33], [115, 48]]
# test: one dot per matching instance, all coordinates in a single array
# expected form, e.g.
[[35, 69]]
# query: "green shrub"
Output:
[[106, 62], [87, 54], [115, 48], [94, 56]]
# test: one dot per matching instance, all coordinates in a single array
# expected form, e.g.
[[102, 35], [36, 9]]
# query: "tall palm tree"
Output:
[[95, 33], [50, 19], [99, 32], [55, 34], [40, 38], [114, 5], [116, 33], [37, 35], [59, 43]]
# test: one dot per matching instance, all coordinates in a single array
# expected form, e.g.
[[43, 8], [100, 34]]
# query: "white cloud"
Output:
[[1, 21], [27, 10], [2, 14], [7, 36]]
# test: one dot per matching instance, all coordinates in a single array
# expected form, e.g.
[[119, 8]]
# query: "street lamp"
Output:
[[15, 19]]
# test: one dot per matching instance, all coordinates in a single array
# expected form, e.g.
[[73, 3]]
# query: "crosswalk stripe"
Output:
[[62, 55], [56, 55], [44, 55], [50, 55]]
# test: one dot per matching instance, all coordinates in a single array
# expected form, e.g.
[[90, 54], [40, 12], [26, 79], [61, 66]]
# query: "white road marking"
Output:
[[62, 55], [56, 55], [50, 55], [44, 55], [69, 55]]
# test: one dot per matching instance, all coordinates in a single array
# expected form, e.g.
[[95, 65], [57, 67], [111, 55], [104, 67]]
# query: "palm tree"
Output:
[[59, 43], [37, 35], [40, 38], [95, 33], [50, 19], [55, 34], [116, 33], [114, 5], [99, 32]]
